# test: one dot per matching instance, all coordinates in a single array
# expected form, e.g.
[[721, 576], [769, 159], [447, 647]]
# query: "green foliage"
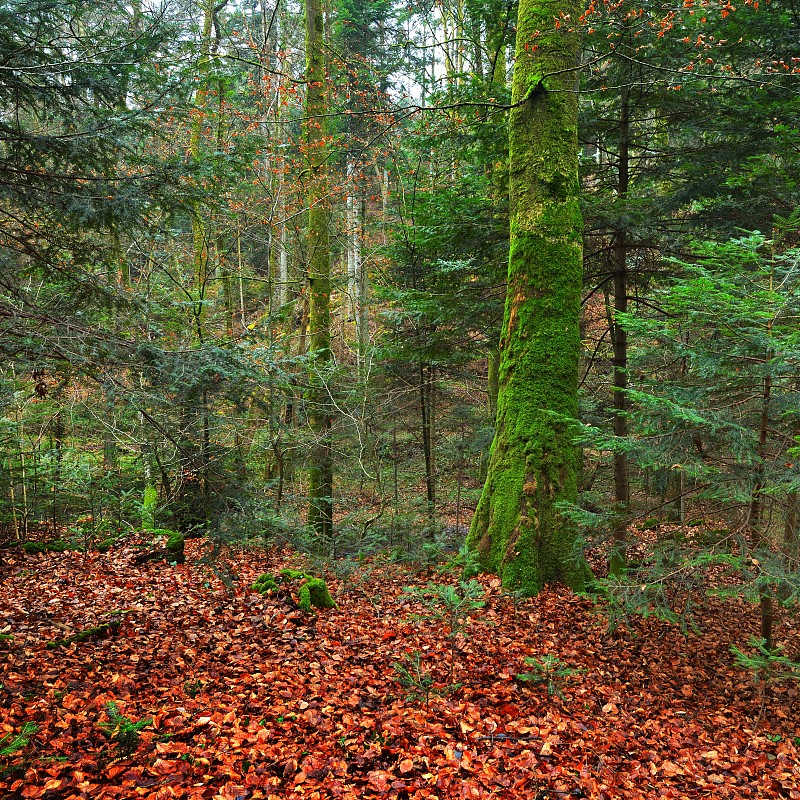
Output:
[[10, 744], [667, 585], [450, 605], [766, 665], [465, 562], [414, 678], [123, 731], [716, 360], [448, 259], [548, 669]]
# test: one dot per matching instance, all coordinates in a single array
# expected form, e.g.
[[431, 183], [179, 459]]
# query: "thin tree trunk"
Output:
[[791, 530], [362, 292], [756, 510], [619, 338], [426, 412], [58, 449]]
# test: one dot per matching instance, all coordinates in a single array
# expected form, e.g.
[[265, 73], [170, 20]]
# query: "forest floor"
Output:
[[248, 697]]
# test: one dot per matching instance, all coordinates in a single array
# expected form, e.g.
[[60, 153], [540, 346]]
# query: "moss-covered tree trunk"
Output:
[[320, 511], [517, 530]]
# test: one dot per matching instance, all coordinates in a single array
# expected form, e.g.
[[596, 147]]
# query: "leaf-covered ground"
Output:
[[250, 698]]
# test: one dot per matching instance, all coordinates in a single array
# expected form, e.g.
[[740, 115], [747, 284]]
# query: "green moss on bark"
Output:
[[517, 531], [97, 632], [320, 473]]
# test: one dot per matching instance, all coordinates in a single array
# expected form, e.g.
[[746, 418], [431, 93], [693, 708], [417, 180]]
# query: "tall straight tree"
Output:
[[517, 530], [320, 510]]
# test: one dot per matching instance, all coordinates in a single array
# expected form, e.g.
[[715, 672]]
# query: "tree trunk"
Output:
[[619, 339], [517, 530], [362, 294], [320, 510], [427, 408], [791, 530]]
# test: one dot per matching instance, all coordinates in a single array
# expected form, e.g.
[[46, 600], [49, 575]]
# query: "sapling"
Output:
[[451, 606], [548, 669], [414, 678], [121, 730], [767, 665]]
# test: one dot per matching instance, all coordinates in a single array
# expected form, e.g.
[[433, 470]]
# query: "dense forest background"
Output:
[[160, 182], [264, 298]]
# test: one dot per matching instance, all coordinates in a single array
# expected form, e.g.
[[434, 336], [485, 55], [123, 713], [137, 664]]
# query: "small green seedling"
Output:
[[450, 606], [412, 677], [548, 669], [121, 730]]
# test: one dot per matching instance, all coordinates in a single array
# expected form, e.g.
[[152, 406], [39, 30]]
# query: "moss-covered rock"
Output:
[[172, 551], [265, 583], [293, 574], [312, 593], [56, 546], [175, 546]]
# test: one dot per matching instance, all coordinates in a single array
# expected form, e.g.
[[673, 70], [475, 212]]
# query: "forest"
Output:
[[399, 399]]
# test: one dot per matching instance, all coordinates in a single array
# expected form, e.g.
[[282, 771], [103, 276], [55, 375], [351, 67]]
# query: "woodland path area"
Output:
[[251, 698]]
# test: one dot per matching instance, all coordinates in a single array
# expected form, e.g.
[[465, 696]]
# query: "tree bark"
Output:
[[517, 530], [320, 510], [619, 338], [427, 403]]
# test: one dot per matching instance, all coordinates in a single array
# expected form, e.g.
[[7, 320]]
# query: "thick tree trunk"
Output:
[[320, 510], [517, 530]]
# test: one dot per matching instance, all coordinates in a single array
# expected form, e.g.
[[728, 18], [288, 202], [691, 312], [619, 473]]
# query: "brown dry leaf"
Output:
[[406, 765]]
